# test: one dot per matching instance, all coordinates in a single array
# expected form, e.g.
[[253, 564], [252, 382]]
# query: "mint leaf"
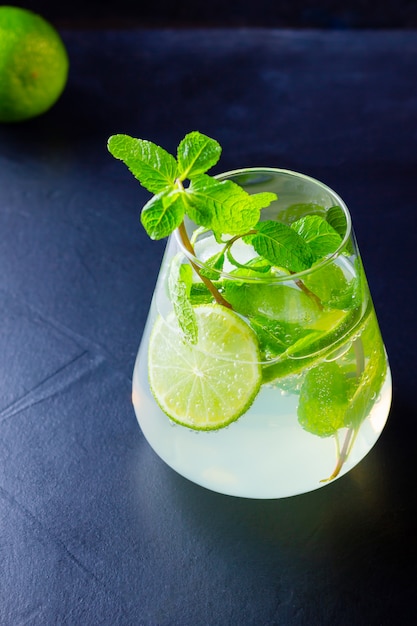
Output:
[[278, 302], [179, 284], [280, 245], [257, 264], [222, 206], [323, 400], [199, 294], [275, 336], [196, 154], [337, 219], [372, 378], [254, 267], [153, 166], [263, 199], [296, 211], [162, 214], [319, 234], [338, 286], [213, 265], [332, 287]]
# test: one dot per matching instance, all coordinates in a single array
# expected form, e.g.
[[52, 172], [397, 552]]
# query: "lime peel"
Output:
[[34, 64]]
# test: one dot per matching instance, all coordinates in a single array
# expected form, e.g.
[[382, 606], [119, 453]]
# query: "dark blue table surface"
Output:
[[94, 528]]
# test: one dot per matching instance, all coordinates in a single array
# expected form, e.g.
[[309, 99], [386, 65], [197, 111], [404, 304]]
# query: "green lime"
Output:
[[33, 64], [206, 385]]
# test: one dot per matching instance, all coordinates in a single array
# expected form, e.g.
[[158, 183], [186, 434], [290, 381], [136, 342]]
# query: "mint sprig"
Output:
[[290, 323], [222, 206], [182, 188]]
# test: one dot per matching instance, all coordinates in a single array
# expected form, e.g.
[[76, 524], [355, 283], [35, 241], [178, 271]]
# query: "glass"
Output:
[[325, 392]]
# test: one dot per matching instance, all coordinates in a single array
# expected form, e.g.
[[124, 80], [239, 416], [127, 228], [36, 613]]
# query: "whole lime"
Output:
[[33, 64]]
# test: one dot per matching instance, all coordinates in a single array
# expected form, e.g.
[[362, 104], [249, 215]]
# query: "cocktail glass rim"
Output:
[[283, 278]]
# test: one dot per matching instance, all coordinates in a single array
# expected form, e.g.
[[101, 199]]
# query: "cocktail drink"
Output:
[[261, 372]]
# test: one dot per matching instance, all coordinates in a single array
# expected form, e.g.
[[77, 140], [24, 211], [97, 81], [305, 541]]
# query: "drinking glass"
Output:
[[325, 387]]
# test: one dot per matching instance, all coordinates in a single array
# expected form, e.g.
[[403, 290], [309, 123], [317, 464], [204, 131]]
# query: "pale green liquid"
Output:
[[264, 454]]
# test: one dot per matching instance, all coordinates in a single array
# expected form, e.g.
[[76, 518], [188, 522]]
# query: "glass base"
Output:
[[262, 455]]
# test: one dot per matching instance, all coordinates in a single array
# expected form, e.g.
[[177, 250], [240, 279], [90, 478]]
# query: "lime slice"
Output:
[[206, 385], [306, 352]]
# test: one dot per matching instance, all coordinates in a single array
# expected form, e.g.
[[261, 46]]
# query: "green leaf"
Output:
[[336, 217], [332, 287], [372, 378], [163, 214], [319, 234], [213, 265], [257, 264], [263, 199], [323, 400], [153, 166], [253, 267], [278, 302], [222, 206], [275, 336], [296, 211], [199, 293], [196, 154], [179, 284], [281, 246]]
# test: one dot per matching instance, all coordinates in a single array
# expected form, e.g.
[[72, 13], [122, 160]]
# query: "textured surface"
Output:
[[94, 528]]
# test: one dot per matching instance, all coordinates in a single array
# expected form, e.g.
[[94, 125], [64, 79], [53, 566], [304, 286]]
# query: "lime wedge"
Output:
[[207, 385]]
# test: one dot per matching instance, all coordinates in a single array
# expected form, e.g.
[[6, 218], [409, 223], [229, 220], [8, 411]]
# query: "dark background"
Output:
[[95, 530], [240, 13]]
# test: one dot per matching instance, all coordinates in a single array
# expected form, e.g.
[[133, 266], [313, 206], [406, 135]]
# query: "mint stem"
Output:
[[359, 356], [309, 293], [352, 432], [344, 453], [212, 288]]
